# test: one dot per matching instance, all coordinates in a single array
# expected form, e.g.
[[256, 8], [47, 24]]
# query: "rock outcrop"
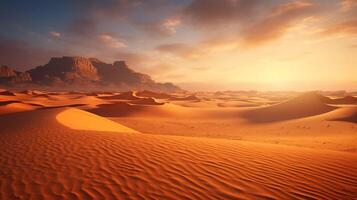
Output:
[[65, 70], [10, 76], [79, 73]]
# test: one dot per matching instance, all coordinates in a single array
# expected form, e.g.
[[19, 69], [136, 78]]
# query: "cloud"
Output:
[[55, 34], [92, 13], [133, 58], [111, 41], [181, 50], [121, 9], [245, 23], [344, 28], [161, 28], [22, 55], [161, 69], [171, 24], [273, 26], [348, 4], [107, 8], [221, 12], [82, 27]]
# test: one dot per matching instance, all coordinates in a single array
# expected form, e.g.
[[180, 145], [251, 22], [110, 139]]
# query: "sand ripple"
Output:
[[49, 161]]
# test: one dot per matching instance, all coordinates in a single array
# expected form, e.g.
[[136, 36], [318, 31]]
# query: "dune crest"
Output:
[[156, 95], [186, 98], [15, 106], [49, 161], [306, 105], [348, 114], [122, 96], [7, 93], [345, 100], [82, 120]]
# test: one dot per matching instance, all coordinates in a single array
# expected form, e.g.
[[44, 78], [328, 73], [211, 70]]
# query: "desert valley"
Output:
[[178, 145], [178, 100]]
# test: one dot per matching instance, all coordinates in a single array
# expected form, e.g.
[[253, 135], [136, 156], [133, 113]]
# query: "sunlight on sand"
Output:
[[257, 146], [81, 120]]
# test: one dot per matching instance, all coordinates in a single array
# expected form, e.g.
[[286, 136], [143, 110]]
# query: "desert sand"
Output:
[[147, 145]]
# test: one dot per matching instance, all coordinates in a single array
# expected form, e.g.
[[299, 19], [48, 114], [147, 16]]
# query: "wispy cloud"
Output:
[[161, 28], [55, 34], [181, 50], [219, 13], [348, 4], [112, 41], [344, 28], [280, 19], [22, 55]]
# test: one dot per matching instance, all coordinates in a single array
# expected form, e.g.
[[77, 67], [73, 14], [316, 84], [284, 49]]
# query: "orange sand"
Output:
[[81, 120], [69, 153]]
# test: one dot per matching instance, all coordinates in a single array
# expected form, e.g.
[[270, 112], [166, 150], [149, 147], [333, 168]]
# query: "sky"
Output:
[[198, 44]]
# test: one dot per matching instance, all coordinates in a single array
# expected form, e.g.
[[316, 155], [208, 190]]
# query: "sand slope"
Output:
[[49, 160], [309, 104], [122, 96], [81, 120], [156, 95], [16, 106]]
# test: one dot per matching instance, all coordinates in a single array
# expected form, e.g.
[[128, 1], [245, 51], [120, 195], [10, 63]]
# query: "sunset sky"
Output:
[[197, 44]]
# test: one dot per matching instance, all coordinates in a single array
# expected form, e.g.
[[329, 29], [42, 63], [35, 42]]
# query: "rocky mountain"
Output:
[[10, 76], [86, 74]]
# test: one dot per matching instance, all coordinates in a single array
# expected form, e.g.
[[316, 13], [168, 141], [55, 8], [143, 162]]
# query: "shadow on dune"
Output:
[[64, 106], [119, 109], [43, 95], [156, 95], [122, 96], [345, 100], [4, 103], [146, 101], [352, 119], [187, 98], [7, 93], [306, 105]]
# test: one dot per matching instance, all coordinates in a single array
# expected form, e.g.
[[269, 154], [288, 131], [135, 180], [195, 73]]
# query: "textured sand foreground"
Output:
[[42, 157]]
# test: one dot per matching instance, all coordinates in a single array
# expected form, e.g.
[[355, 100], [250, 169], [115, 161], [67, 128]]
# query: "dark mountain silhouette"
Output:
[[80, 73]]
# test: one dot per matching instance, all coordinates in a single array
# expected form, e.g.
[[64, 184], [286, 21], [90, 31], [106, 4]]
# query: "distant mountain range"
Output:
[[81, 74]]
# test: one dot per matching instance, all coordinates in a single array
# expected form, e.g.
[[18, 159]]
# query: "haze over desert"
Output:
[[178, 99]]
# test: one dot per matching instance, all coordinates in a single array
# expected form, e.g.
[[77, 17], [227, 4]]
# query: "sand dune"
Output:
[[32, 92], [156, 95], [117, 109], [49, 151], [7, 93], [124, 109], [4, 103], [64, 106], [16, 106], [237, 104], [48, 160], [43, 95], [88, 121], [122, 96], [309, 104], [345, 100], [186, 98], [348, 114], [146, 101]]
